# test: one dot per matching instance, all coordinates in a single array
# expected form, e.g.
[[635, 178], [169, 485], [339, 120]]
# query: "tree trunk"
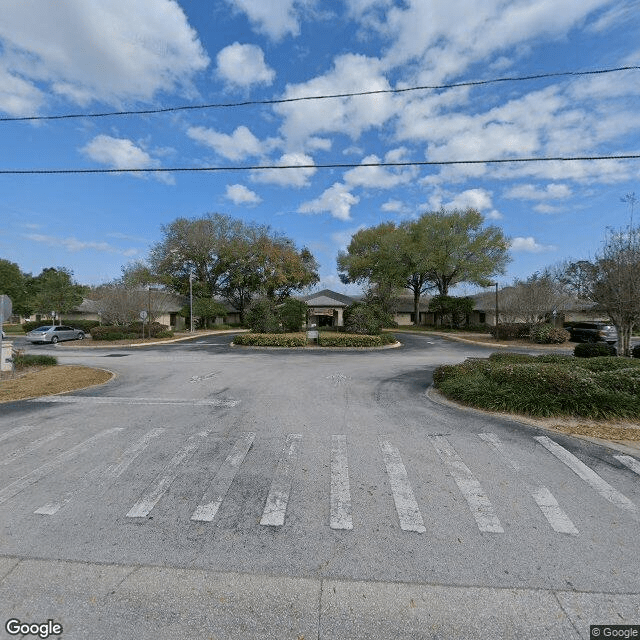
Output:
[[416, 307]]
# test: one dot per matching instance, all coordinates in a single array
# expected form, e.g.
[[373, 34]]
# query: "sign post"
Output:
[[143, 317], [6, 309]]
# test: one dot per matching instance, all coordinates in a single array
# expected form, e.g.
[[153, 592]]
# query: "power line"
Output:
[[345, 165], [220, 105]]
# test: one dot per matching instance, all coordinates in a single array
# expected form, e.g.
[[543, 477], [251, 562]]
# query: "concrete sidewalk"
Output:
[[104, 601]]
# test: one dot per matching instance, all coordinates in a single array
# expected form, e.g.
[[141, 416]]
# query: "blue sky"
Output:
[[90, 56]]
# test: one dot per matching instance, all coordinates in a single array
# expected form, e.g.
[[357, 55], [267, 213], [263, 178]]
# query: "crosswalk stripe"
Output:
[[545, 500], [340, 517], [630, 462], [276, 505], [481, 507], [33, 476], [14, 432], [588, 475], [23, 451], [157, 488], [112, 471], [214, 495], [406, 505]]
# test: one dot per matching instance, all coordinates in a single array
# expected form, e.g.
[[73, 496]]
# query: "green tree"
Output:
[[16, 285], [456, 309], [436, 251], [207, 310], [457, 248], [293, 314], [56, 291], [230, 258]]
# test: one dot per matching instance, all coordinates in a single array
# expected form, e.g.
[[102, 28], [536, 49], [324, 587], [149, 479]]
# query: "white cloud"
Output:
[[529, 245], [288, 177], [239, 194], [240, 144], [552, 191], [119, 153], [380, 177], [275, 19], [350, 116], [73, 244], [393, 206], [243, 65], [342, 239], [337, 200], [117, 51]]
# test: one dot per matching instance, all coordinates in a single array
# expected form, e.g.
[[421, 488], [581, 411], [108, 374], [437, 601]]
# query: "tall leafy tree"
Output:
[[16, 285], [229, 258], [436, 251], [55, 290], [458, 248]]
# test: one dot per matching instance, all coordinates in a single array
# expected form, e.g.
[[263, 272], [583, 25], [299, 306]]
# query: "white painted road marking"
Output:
[[15, 432], [157, 488], [545, 500], [588, 475], [23, 451], [214, 495], [32, 477], [630, 462], [112, 471], [406, 504], [278, 498], [479, 504], [144, 401], [340, 517]]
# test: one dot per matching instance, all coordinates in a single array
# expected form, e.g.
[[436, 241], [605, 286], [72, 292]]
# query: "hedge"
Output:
[[21, 360], [348, 340], [271, 339], [598, 388], [131, 332], [512, 330], [594, 350], [548, 334]]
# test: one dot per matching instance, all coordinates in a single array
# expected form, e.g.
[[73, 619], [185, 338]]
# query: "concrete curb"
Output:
[[101, 601]]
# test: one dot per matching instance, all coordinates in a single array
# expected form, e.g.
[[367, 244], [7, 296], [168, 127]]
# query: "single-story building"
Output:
[[326, 308]]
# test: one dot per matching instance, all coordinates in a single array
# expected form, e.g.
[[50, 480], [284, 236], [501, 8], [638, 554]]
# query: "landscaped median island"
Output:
[[39, 375], [325, 339], [550, 385]]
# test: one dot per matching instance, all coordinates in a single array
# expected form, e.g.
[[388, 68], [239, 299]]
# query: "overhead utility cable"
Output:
[[220, 105], [426, 163]]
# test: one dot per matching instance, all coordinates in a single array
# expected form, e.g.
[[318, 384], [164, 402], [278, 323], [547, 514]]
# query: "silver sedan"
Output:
[[54, 334]]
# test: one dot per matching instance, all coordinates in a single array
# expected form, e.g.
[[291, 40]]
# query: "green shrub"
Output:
[[548, 334], [13, 329], [22, 360], [606, 363], [164, 334], [271, 339], [361, 318], [348, 340], [594, 389], [262, 317], [512, 330], [293, 314], [83, 325], [593, 350]]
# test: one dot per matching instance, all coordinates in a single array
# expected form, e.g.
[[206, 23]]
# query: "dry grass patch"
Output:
[[47, 381], [603, 431]]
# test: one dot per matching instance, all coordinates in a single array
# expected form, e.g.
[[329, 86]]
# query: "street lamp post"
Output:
[[191, 301], [497, 336]]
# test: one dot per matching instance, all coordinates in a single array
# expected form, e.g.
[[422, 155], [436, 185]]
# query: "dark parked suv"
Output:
[[593, 332]]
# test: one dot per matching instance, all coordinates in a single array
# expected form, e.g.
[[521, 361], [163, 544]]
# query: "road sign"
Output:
[[6, 308], [143, 315]]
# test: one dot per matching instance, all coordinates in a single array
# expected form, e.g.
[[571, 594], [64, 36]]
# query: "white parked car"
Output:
[[54, 334]]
